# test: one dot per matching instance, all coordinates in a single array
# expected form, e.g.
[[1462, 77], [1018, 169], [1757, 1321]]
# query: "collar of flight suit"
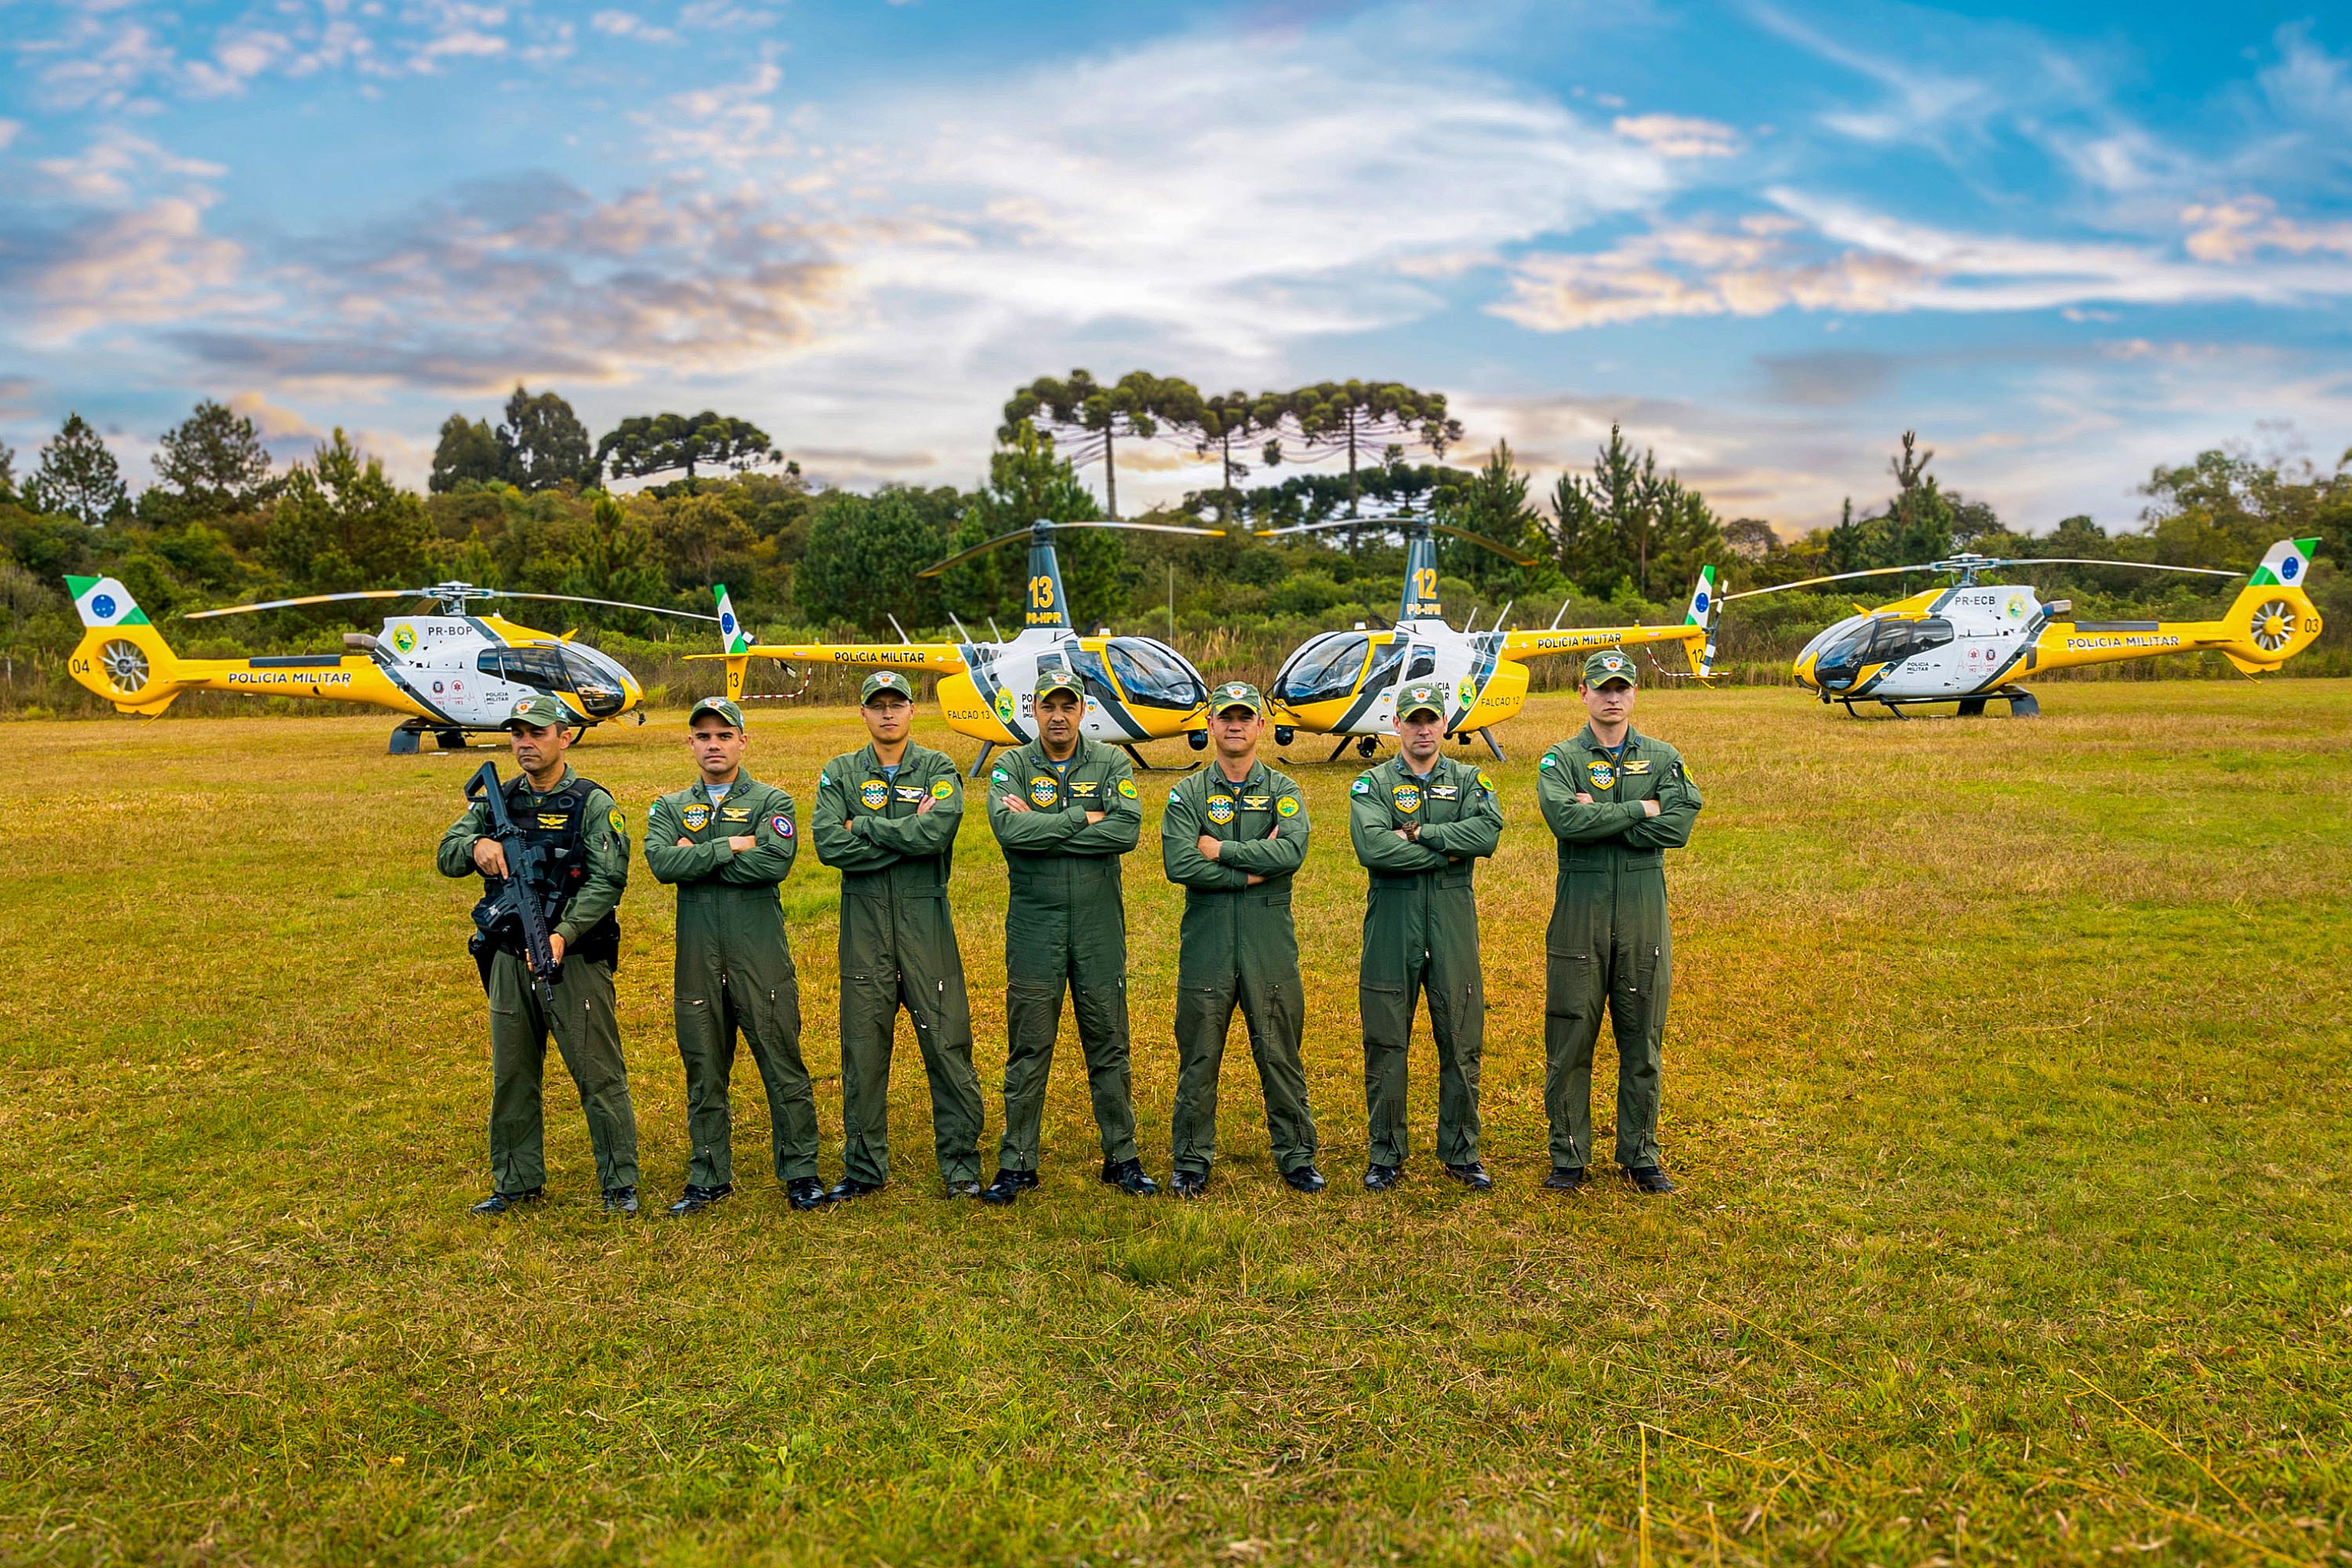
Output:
[[569, 781], [1584, 738], [1216, 780], [865, 759], [701, 789], [1078, 758]]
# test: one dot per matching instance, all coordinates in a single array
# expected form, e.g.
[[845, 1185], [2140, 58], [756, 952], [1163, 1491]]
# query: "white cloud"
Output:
[[1852, 260], [118, 163], [8, 132], [1679, 136], [275, 422], [154, 263], [629, 24]]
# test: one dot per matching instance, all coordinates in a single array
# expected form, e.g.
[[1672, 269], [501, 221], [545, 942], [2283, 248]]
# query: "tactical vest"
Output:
[[551, 830]]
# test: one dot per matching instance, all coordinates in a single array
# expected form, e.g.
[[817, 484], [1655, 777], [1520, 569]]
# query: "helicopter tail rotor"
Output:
[[122, 657], [2273, 618]]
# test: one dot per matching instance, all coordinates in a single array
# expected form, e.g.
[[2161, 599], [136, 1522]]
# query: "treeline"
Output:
[[518, 505]]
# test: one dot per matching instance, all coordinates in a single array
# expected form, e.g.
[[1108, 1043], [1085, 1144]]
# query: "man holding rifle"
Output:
[[554, 857]]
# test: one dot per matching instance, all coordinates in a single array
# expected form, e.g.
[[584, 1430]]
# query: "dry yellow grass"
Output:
[[2006, 1081]]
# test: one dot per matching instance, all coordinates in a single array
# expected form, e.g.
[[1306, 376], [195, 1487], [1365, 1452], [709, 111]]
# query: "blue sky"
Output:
[[2064, 243]]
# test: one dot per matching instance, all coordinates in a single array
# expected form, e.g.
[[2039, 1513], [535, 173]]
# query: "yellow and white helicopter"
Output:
[[1345, 683], [1973, 642], [1138, 687], [452, 673]]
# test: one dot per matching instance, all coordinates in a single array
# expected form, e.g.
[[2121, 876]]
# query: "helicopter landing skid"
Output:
[[2021, 704], [1154, 767]]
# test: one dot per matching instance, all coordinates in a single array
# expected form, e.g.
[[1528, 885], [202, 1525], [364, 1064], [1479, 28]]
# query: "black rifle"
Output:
[[510, 905]]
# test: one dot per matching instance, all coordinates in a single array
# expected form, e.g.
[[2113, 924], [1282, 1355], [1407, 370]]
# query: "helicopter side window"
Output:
[[1089, 669], [1152, 675], [1894, 641], [539, 666], [1425, 663], [1323, 669], [1385, 665]]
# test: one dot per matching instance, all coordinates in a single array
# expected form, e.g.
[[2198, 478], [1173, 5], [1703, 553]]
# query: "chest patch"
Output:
[[1256, 802], [910, 792], [697, 817], [1639, 765], [1083, 787], [1221, 809], [874, 793], [1041, 790], [553, 819], [1444, 791], [1407, 798], [736, 813], [1604, 776]]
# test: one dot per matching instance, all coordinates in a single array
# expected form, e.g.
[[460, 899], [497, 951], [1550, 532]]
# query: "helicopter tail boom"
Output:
[[122, 657], [2270, 621]]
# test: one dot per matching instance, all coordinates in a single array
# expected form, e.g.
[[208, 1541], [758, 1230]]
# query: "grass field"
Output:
[[2007, 1083]]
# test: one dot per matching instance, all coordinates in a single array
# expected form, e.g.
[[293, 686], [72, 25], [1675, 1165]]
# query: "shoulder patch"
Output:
[[1363, 785], [1126, 788], [1287, 805], [823, 778], [615, 818], [942, 788], [1175, 799], [1000, 775], [1486, 780], [783, 824], [1549, 760]]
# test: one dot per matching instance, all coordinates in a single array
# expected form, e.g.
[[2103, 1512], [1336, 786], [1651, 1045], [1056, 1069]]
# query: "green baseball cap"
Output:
[[718, 705], [1422, 697], [1060, 680], [1236, 694], [1610, 664], [537, 712], [883, 680]]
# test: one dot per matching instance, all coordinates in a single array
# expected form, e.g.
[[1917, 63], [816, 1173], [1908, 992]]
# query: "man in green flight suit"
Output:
[[1064, 809], [1616, 800], [1234, 836], [886, 818], [586, 850], [724, 843], [1419, 824]]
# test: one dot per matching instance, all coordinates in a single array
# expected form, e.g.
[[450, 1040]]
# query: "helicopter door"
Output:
[[1424, 665], [1383, 673]]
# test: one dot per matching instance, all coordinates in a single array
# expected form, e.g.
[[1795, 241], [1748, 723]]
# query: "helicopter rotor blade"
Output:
[[1507, 552], [1394, 520], [961, 556], [613, 603], [1149, 528], [309, 599], [2086, 561], [1832, 577]]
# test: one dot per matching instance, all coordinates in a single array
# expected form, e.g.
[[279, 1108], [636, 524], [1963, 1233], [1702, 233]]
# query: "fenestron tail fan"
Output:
[[120, 657], [2272, 617]]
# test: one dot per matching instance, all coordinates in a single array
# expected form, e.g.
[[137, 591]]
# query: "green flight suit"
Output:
[[1237, 945], [586, 1029], [734, 972], [899, 949], [1608, 943], [1064, 926], [1421, 933]]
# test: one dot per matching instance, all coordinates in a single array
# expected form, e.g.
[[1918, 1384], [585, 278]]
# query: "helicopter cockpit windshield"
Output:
[[1877, 640], [1153, 675], [1323, 668], [552, 668]]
